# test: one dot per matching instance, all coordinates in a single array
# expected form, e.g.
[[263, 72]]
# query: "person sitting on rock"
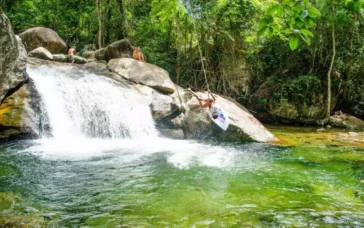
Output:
[[138, 54], [71, 54], [207, 103]]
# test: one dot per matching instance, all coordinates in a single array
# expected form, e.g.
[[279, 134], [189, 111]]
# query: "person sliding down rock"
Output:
[[208, 103], [138, 54]]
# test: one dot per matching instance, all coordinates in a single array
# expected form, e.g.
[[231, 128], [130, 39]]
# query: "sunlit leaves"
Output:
[[291, 20]]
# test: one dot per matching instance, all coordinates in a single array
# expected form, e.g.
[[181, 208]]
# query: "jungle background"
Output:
[[287, 61]]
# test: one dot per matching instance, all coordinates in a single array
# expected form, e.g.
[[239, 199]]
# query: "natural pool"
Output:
[[308, 179]]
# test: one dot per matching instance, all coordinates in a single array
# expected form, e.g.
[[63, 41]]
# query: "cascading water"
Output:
[[83, 105]]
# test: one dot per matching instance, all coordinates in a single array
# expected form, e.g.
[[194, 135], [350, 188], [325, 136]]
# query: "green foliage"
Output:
[[302, 90], [291, 20]]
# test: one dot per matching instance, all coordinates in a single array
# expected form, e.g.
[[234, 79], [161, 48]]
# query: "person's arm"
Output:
[[194, 94], [212, 95]]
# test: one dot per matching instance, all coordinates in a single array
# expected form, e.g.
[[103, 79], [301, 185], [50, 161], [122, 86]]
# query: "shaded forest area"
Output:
[[293, 56]]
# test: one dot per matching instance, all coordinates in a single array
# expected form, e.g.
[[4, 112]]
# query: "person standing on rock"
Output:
[[71, 54], [207, 103], [138, 54]]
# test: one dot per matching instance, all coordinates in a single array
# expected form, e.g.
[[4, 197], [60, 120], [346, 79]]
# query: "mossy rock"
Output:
[[12, 109]]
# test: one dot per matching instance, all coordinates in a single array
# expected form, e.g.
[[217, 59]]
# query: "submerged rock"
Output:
[[12, 59], [143, 73], [43, 37], [41, 53]]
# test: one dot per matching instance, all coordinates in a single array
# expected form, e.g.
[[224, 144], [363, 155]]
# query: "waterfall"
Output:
[[78, 104]]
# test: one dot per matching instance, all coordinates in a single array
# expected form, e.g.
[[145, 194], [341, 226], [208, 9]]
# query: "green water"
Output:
[[309, 179]]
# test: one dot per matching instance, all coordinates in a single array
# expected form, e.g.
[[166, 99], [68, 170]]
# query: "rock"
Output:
[[64, 59], [41, 53], [89, 54], [161, 105], [15, 116], [143, 73], [43, 37], [172, 133], [346, 121], [119, 49], [243, 125], [88, 51], [353, 134], [165, 111], [80, 60], [60, 58], [267, 109], [97, 68], [13, 59], [100, 54]]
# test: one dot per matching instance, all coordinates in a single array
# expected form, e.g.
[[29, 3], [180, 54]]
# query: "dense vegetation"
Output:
[[312, 49]]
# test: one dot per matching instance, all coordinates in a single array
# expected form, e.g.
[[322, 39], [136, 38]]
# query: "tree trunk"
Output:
[[107, 22], [178, 68], [350, 61], [122, 33], [331, 66], [99, 15]]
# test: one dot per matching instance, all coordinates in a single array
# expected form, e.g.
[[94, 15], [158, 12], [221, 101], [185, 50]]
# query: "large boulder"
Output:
[[243, 126], [346, 121], [41, 53], [119, 49], [143, 73], [43, 37], [13, 59], [268, 107]]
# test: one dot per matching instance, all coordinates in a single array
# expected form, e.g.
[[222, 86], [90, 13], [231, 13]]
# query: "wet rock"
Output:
[[172, 133], [43, 37], [60, 58], [143, 73], [16, 117], [97, 67], [13, 59], [64, 59], [41, 53], [80, 60], [119, 49]]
